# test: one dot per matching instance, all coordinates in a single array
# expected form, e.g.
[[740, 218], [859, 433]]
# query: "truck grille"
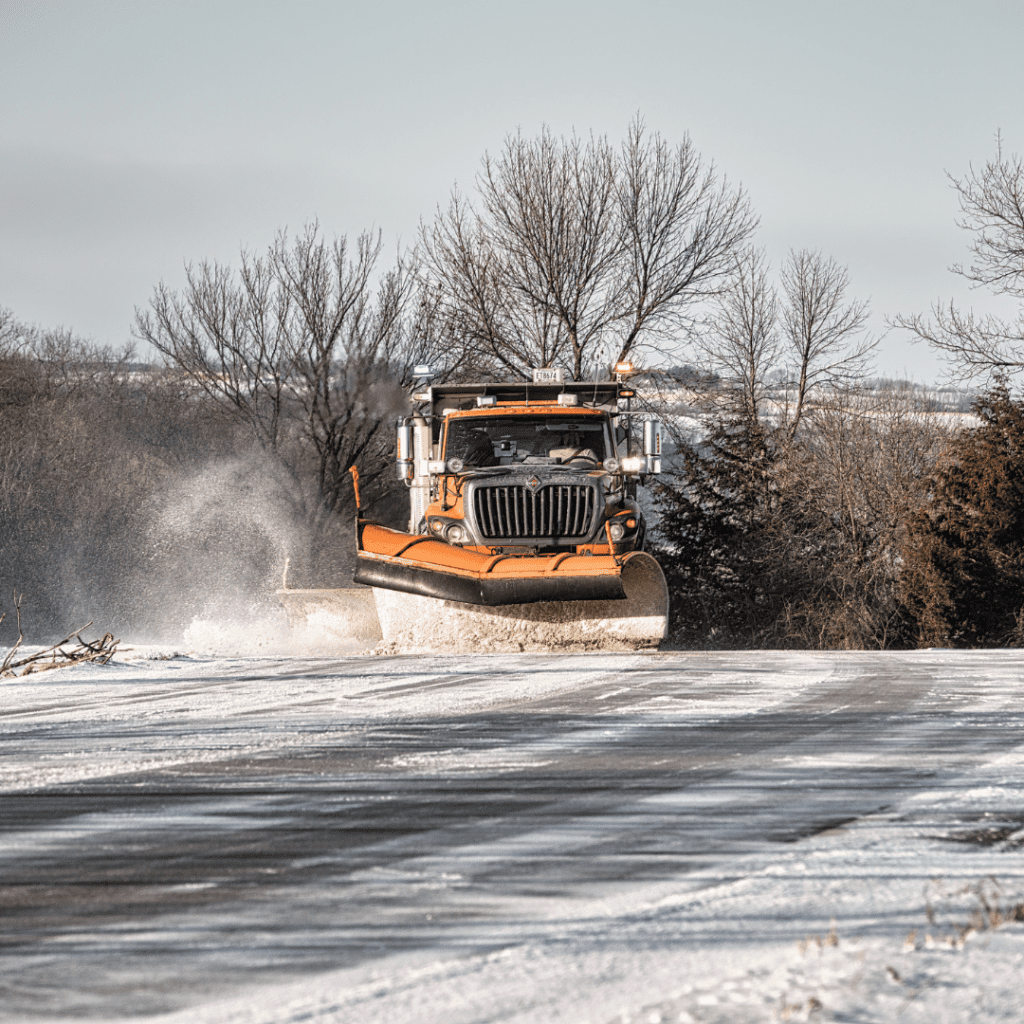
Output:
[[555, 510]]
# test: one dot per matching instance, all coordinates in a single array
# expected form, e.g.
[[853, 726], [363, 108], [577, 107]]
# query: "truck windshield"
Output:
[[505, 440]]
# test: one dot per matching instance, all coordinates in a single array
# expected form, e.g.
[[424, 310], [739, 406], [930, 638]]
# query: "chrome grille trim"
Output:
[[551, 511]]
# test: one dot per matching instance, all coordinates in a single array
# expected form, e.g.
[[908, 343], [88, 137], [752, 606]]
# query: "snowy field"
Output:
[[589, 838]]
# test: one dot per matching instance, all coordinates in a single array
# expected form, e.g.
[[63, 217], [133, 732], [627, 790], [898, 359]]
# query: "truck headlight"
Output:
[[616, 531], [611, 465], [634, 465], [455, 534]]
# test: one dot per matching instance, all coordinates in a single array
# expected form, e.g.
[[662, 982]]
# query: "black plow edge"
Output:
[[409, 579]]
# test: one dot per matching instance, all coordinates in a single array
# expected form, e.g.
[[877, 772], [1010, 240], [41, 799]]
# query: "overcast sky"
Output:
[[137, 136]]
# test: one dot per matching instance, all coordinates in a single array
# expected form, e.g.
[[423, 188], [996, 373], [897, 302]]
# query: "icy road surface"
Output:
[[591, 838]]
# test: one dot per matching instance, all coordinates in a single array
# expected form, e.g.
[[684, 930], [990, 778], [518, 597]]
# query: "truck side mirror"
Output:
[[652, 445], [404, 460]]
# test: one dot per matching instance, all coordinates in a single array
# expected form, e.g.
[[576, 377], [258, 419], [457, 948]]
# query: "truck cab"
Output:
[[530, 468]]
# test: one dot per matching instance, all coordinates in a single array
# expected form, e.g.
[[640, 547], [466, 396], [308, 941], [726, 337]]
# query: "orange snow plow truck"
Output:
[[524, 528]]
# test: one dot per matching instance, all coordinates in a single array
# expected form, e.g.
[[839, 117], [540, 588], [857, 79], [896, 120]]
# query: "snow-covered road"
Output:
[[606, 837]]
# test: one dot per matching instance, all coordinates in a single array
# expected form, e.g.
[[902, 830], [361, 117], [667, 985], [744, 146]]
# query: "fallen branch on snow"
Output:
[[56, 656]]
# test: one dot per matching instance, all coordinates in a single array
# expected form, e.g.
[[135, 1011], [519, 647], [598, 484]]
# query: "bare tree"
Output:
[[861, 479], [829, 561], [14, 367], [551, 212], [682, 231], [992, 208], [308, 344], [742, 344], [11, 332], [578, 249], [824, 332], [498, 328], [72, 467]]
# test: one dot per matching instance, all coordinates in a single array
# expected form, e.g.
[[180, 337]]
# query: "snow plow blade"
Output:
[[420, 594], [430, 595], [430, 568]]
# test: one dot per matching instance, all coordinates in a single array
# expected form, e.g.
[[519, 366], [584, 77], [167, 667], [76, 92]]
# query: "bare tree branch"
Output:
[[978, 346], [55, 656], [992, 203], [682, 231], [992, 208], [823, 331], [742, 344]]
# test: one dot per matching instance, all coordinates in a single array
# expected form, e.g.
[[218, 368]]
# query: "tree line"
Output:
[[803, 507]]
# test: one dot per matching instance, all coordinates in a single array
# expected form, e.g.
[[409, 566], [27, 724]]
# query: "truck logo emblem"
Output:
[[533, 483]]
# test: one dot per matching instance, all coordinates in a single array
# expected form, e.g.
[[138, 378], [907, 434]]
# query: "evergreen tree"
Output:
[[722, 528], [964, 575]]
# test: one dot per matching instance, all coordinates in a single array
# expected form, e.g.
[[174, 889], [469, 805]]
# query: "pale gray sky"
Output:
[[136, 136]]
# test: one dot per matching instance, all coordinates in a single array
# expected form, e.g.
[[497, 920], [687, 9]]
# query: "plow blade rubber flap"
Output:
[[415, 622], [445, 586]]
